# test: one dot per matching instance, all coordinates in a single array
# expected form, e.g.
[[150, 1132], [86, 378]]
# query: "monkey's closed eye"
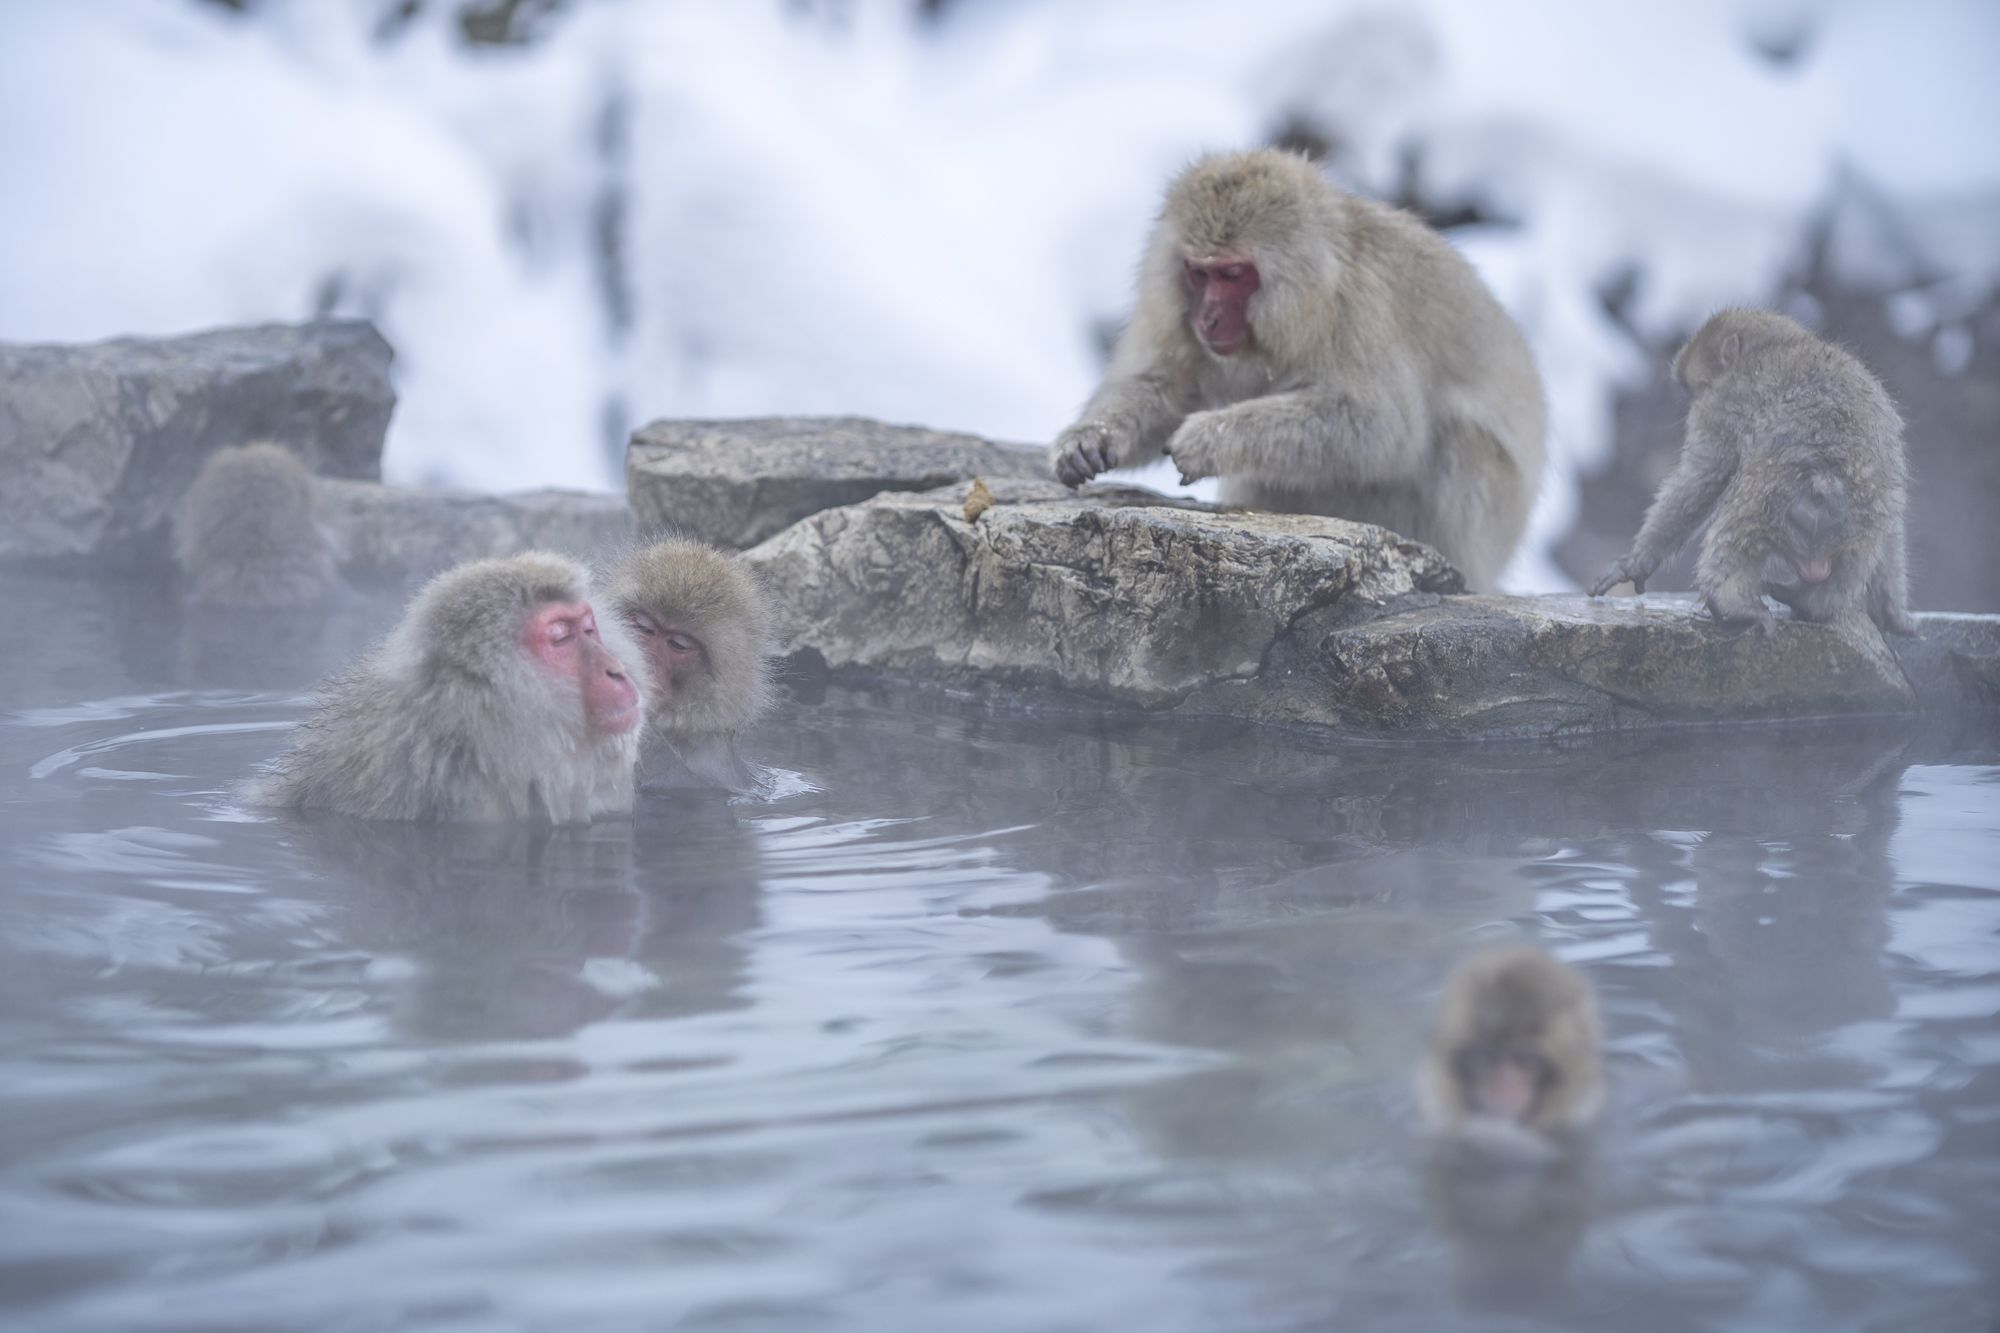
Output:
[[681, 643]]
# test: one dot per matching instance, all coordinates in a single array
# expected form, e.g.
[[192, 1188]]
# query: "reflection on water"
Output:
[[981, 1023]]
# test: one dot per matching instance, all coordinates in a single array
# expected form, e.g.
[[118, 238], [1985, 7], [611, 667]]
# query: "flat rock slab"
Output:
[[99, 440], [1112, 595], [389, 535], [735, 483], [1118, 599]]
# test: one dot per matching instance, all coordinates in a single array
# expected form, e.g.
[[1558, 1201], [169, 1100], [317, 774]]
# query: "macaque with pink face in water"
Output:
[[703, 627], [1513, 1064], [500, 695]]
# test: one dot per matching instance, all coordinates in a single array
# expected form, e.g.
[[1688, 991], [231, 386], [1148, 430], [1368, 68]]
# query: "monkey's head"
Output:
[[1729, 342], [704, 627], [521, 631], [1239, 226], [1516, 1044]]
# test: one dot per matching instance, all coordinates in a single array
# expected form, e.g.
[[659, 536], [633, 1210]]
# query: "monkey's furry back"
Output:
[[446, 720], [248, 534]]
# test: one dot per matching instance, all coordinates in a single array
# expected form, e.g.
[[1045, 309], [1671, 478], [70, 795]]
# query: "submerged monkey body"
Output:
[[1321, 353], [453, 717], [1794, 452]]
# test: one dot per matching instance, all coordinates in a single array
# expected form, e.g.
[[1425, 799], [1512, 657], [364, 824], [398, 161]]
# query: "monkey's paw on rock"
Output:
[[1121, 599]]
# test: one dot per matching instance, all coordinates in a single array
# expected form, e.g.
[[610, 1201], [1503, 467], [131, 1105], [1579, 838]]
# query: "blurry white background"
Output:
[[574, 216]]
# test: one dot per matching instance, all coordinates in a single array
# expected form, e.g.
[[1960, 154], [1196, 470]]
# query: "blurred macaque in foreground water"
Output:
[[1511, 1081], [1513, 1065]]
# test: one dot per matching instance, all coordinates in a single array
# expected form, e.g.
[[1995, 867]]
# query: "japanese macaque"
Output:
[[247, 533], [1320, 353], [703, 627], [1797, 452], [1513, 1062], [500, 695]]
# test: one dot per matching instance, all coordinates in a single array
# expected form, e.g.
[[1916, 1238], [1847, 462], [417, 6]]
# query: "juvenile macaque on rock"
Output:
[[248, 533], [1514, 1059], [500, 695], [703, 628], [1320, 353], [1794, 452]]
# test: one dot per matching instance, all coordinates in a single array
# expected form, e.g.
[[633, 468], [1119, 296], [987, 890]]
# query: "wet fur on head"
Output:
[[716, 598], [449, 719], [247, 533], [1517, 998], [1275, 209]]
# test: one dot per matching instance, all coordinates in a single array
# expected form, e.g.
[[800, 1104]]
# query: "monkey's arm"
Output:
[[1336, 437], [1126, 422], [1685, 499]]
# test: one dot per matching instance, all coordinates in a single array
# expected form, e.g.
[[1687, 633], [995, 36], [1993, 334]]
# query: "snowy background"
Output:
[[931, 213]]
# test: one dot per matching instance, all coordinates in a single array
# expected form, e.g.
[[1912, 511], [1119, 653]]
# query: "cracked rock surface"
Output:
[[1118, 598], [734, 483]]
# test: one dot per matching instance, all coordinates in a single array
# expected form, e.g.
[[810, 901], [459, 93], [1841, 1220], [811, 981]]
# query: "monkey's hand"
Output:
[[1083, 451], [1196, 446], [1625, 569]]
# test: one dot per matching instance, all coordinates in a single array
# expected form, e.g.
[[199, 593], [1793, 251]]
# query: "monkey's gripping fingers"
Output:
[[1623, 570], [1193, 447], [1083, 451]]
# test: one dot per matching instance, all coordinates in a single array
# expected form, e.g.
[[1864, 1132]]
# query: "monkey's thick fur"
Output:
[[1516, 1000], [714, 597], [1791, 442], [1382, 381], [248, 534], [448, 719]]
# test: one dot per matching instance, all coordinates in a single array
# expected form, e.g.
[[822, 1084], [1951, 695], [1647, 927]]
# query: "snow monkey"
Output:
[[1797, 452], [1514, 1058], [1320, 353], [703, 627], [500, 695], [247, 534]]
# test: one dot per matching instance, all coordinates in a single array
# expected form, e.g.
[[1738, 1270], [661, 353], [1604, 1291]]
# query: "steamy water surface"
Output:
[[993, 1022]]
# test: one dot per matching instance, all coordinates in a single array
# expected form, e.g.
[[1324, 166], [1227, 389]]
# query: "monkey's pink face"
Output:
[[1504, 1084], [1219, 292], [671, 651], [562, 639]]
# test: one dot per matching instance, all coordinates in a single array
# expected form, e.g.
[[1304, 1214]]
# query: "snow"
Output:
[[848, 210]]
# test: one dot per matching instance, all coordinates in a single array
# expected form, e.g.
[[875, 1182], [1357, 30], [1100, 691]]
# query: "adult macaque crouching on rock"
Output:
[[1324, 354]]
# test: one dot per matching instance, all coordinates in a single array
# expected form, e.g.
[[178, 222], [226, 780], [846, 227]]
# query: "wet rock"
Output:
[[1542, 666], [389, 535], [734, 483], [1113, 598], [1112, 594], [99, 440]]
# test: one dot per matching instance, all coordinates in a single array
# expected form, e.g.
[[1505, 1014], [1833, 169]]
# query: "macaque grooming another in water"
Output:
[[1320, 353], [500, 695], [247, 533], [703, 627], [1797, 452], [1514, 1059]]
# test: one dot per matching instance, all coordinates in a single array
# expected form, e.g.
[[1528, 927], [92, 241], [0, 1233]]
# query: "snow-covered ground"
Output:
[[844, 208]]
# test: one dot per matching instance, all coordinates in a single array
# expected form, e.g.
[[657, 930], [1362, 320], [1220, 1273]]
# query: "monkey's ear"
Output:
[[1729, 349]]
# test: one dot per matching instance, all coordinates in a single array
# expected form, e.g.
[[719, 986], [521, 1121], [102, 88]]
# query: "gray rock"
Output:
[[1116, 599], [1109, 594], [99, 440], [388, 535], [734, 483]]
